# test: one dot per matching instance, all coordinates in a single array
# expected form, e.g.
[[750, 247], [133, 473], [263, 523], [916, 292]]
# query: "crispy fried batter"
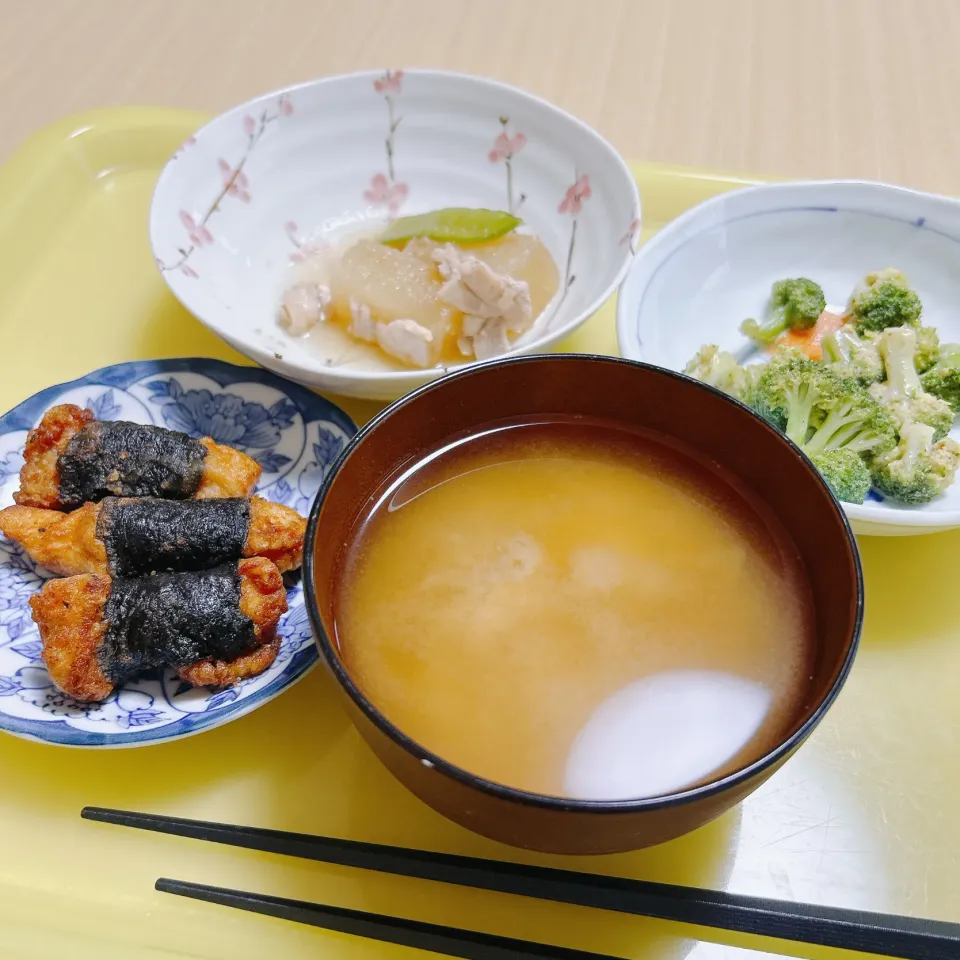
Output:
[[221, 673], [262, 595], [64, 543], [39, 477], [69, 614], [264, 600], [227, 472], [67, 543], [276, 532]]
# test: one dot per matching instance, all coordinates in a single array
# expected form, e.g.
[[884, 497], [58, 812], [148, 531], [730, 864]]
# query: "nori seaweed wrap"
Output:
[[149, 535], [71, 458], [132, 537], [121, 459], [175, 619], [214, 627]]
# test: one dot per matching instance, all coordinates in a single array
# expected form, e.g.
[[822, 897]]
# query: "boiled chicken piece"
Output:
[[493, 304], [303, 306], [406, 340]]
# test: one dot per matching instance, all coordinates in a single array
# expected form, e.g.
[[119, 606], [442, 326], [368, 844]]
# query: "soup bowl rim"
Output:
[[526, 797]]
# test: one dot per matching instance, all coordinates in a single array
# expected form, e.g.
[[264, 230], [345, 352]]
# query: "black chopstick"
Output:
[[881, 934], [375, 926]]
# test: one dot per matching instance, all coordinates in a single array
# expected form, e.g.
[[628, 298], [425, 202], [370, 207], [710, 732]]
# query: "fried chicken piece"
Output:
[[71, 458], [69, 614], [262, 599], [134, 537], [277, 533], [227, 472], [63, 543], [39, 478], [213, 626]]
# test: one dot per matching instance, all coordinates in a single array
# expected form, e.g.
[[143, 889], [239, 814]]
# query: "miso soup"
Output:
[[573, 608]]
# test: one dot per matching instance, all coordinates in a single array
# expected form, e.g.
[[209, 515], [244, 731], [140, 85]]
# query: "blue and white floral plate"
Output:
[[294, 434]]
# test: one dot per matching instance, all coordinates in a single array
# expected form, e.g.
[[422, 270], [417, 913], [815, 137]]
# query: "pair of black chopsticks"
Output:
[[871, 933]]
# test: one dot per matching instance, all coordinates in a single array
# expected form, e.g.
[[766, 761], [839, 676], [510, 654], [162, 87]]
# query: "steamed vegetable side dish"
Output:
[[869, 395]]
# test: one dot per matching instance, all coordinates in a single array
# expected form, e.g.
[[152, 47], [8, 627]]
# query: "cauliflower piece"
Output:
[[493, 304], [303, 306], [406, 340]]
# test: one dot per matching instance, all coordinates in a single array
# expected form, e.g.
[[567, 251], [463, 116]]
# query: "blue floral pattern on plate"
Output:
[[293, 433]]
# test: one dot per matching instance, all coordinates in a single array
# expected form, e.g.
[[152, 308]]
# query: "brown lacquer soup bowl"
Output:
[[635, 396]]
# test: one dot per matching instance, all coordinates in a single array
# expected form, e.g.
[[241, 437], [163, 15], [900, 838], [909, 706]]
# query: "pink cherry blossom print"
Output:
[[307, 251], [631, 233], [383, 193], [506, 147], [379, 187], [304, 251], [575, 196], [235, 181], [189, 142], [388, 86], [188, 271], [389, 83], [196, 230]]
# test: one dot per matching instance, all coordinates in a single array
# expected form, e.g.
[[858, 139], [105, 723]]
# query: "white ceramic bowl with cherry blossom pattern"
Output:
[[263, 185]]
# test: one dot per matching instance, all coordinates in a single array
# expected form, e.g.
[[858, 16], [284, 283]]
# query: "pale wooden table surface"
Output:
[[806, 88]]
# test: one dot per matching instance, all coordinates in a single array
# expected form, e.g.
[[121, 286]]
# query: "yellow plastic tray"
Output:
[[863, 816]]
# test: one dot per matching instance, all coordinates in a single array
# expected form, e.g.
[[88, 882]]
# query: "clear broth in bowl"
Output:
[[572, 608]]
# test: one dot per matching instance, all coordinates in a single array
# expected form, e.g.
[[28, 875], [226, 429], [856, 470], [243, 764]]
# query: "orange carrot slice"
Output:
[[809, 340]]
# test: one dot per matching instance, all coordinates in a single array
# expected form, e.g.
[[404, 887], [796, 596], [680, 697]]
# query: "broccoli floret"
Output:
[[793, 305], [850, 355], [924, 408], [917, 469], [846, 474], [949, 355], [883, 299], [751, 377], [720, 369], [819, 410], [850, 419], [787, 392], [928, 348], [943, 380], [903, 393]]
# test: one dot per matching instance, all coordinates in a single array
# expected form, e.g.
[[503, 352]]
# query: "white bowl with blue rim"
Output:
[[258, 189], [292, 432], [698, 278]]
